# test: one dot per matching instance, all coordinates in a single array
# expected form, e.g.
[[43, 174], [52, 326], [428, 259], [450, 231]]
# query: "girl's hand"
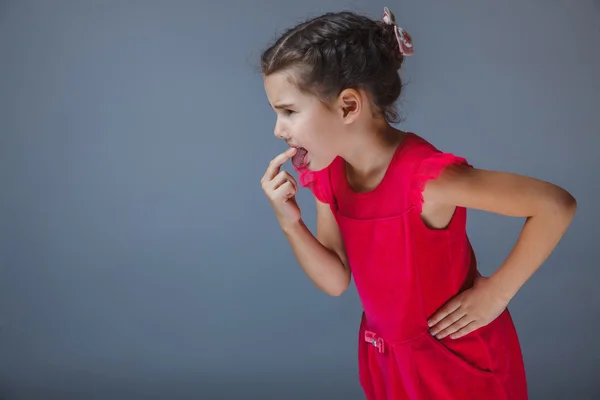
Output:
[[468, 311], [281, 188]]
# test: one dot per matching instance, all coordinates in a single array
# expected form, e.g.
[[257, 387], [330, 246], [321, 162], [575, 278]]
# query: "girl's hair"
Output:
[[336, 51]]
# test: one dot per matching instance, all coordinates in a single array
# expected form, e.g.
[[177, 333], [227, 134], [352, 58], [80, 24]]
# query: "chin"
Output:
[[316, 166]]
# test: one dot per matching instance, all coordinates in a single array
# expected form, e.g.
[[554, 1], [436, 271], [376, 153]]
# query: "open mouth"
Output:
[[300, 159]]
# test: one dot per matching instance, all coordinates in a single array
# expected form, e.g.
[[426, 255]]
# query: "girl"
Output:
[[391, 213]]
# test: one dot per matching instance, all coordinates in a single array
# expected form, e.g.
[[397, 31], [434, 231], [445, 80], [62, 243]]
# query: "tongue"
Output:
[[299, 159]]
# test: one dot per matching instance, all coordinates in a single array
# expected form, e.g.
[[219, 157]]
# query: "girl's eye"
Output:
[[288, 112]]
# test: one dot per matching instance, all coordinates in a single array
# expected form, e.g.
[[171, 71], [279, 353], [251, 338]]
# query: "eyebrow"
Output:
[[285, 105]]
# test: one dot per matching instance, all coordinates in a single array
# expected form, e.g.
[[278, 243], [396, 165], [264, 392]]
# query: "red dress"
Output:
[[404, 272]]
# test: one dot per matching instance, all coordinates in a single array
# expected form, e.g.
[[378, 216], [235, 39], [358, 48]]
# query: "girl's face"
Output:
[[304, 122]]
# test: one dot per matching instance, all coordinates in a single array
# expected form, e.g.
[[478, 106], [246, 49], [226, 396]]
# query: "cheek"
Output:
[[305, 130], [324, 136], [315, 131]]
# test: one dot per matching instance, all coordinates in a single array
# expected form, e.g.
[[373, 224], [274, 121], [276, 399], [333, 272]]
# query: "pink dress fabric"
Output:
[[403, 272]]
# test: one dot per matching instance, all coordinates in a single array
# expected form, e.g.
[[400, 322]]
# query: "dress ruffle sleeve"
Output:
[[430, 168], [319, 183]]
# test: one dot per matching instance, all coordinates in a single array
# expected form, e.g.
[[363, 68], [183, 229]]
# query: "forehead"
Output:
[[280, 88]]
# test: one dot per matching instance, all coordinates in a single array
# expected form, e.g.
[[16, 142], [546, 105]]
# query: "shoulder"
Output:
[[421, 151], [427, 163], [318, 182]]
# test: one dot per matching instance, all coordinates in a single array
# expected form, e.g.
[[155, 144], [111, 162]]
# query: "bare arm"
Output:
[[323, 257], [548, 208]]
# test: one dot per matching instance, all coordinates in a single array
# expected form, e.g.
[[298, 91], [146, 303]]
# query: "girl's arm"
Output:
[[548, 208], [323, 258]]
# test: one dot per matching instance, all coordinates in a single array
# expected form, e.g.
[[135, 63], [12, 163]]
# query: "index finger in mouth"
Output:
[[279, 161]]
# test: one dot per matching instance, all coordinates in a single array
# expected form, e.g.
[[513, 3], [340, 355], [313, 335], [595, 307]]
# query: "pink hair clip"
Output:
[[405, 43]]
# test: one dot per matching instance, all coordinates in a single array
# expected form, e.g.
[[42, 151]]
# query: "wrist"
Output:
[[292, 227], [501, 289]]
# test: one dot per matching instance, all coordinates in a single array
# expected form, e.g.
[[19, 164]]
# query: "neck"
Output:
[[370, 151]]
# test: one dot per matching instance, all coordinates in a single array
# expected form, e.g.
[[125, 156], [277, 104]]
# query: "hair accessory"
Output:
[[404, 40]]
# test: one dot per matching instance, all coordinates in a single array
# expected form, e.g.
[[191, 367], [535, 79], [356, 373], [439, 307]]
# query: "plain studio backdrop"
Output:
[[139, 257]]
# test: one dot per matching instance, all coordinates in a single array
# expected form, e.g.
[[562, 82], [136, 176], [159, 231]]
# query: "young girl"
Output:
[[391, 213]]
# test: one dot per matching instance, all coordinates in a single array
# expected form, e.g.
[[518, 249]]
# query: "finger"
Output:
[[447, 321], [458, 325], [281, 178], [450, 307], [285, 191], [277, 162], [465, 330]]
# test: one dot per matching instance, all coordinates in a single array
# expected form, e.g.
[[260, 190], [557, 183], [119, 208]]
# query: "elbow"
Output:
[[562, 205], [337, 292], [340, 286], [566, 203]]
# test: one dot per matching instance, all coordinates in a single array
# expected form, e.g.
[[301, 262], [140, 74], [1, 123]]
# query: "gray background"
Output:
[[139, 256]]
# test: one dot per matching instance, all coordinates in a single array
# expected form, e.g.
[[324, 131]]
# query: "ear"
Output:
[[350, 105]]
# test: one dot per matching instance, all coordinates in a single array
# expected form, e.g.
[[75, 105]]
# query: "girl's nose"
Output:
[[279, 131]]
